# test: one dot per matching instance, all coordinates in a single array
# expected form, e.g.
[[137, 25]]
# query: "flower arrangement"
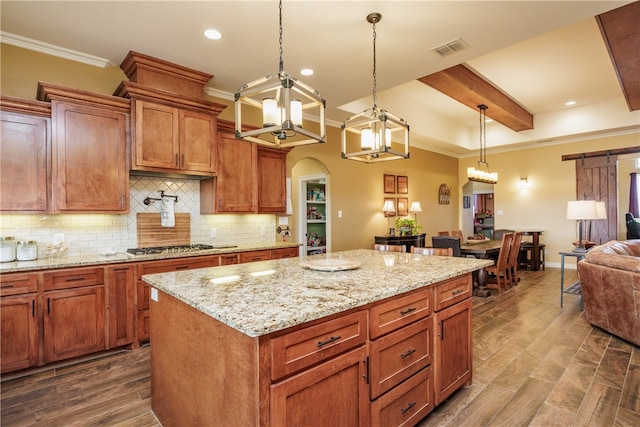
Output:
[[407, 226]]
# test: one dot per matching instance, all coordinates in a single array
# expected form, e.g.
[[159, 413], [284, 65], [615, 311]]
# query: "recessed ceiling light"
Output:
[[213, 34], [306, 72], [570, 103]]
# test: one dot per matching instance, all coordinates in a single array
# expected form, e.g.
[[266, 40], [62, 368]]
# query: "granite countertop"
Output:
[[123, 257], [263, 297]]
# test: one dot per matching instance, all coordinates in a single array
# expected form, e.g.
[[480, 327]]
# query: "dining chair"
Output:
[[500, 270], [432, 251], [447, 242], [443, 233], [389, 248], [514, 253], [458, 234]]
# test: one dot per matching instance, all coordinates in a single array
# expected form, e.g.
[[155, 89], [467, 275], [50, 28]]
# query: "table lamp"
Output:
[[388, 208], [414, 209], [581, 211]]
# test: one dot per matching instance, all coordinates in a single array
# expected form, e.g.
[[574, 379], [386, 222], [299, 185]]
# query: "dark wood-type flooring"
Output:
[[535, 364]]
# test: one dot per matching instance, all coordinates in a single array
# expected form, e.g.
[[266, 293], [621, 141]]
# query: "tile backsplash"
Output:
[[89, 234]]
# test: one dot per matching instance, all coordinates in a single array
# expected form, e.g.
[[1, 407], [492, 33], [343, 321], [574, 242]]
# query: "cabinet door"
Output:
[[157, 137], [89, 161], [453, 351], [235, 189], [73, 323], [24, 154], [271, 181], [331, 394], [197, 141], [19, 342], [253, 256], [120, 286]]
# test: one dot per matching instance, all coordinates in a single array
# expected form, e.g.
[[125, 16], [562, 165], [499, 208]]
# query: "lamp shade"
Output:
[[582, 209], [388, 206], [602, 210], [415, 207]]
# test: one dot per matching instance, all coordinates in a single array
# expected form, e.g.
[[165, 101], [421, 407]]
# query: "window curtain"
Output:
[[634, 207]]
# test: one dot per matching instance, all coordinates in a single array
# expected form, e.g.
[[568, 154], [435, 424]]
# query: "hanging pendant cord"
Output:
[[281, 66], [375, 83], [483, 135]]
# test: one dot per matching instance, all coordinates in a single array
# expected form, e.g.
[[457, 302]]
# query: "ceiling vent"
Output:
[[448, 48]]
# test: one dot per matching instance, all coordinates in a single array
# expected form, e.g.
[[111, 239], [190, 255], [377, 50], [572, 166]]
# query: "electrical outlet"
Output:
[[212, 233], [340, 214]]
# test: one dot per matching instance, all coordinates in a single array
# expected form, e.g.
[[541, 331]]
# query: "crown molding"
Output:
[[49, 49]]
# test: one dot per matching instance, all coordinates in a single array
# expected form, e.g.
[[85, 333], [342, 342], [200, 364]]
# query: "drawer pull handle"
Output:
[[409, 406], [408, 353], [457, 291], [329, 341], [7, 285], [181, 267], [75, 279], [408, 310]]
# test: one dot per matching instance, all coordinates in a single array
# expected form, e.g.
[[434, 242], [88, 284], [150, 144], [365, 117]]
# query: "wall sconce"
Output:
[[524, 182]]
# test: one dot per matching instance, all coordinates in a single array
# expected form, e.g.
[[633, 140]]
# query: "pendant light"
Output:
[[482, 175], [282, 99], [375, 126]]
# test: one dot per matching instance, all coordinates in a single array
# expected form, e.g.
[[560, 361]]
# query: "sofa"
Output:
[[610, 282]]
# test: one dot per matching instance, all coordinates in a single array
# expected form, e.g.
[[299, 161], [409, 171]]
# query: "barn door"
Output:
[[596, 180]]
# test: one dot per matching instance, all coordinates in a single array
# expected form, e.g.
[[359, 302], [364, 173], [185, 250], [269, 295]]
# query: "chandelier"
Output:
[[482, 175], [282, 99], [376, 126]]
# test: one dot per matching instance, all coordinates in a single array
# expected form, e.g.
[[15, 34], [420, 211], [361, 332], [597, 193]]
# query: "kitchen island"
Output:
[[281, 343]]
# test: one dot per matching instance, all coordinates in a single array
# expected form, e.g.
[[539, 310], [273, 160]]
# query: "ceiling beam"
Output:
[[464, 85], [620, 30]]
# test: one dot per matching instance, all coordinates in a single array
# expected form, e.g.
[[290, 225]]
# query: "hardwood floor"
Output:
[[535, 364]]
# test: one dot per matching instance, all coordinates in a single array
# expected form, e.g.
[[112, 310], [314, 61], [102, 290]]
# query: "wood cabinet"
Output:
[[284, 253], [74, 313], [417, 240], [453, 346], [19, 319], [25, 155], [375, 365], [89, 140], [249, 178], [163, 266], [253, 256], [172, 133], [271, 180], [121, 282]]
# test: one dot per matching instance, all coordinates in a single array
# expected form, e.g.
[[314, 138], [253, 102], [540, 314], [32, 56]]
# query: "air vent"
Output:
[[448, 48]]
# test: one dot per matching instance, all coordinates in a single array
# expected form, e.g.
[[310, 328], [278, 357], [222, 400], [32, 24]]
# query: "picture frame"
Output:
[[403, 206], [402, 184], [392, 200], [389, 184]]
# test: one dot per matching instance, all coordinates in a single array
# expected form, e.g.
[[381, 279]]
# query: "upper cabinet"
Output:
[[25, 148], [174, 128], [249, 179], [88, 156]]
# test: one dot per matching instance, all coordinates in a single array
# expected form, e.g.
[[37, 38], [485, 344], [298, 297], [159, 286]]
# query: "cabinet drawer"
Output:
[[407, 404], [297, 350], [452, 291], [255, 256], [74, 278], [177, 265], [398, 312], [284, 253], [16, 284], [397, 356], [228, 259]]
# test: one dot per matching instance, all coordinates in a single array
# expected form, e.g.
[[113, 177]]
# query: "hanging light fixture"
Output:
[[375, 126], [282, 99], [483, 174]]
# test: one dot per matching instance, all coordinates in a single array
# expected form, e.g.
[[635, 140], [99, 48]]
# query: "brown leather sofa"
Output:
[[610, 282]]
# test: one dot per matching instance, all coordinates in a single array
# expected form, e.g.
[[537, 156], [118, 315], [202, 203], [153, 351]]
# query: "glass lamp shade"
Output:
[[388, 207], [272, 114]]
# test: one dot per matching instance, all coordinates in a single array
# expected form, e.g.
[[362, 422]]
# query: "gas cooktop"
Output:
[[169, 249]]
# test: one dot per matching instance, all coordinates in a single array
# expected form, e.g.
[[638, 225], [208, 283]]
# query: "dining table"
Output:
[[484, 249]]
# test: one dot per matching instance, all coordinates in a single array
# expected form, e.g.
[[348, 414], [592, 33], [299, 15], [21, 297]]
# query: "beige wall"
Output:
[[357, 188]]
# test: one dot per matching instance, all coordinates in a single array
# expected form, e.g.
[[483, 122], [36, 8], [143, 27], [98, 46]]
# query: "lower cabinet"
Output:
[[19, 342], [74, 313], [121, 304]]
